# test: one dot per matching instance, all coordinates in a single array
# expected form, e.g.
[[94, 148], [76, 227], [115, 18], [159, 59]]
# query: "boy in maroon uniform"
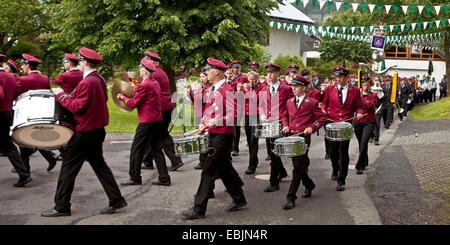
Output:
[[69, 79], [304, 116], [341, 102]]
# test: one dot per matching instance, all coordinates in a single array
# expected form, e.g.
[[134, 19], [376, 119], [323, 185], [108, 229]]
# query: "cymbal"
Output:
[[128, 76], [122, 87]]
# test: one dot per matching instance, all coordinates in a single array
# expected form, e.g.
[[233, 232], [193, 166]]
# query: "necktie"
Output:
[[340, 95], [297, 102], [212, 92], [273, 91]]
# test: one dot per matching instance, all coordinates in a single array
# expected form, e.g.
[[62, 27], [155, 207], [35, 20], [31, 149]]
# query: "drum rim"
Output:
[[37, 147], [35, 91]]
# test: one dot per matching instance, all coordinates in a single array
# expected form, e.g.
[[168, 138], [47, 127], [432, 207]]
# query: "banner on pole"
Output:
[[378, 42]]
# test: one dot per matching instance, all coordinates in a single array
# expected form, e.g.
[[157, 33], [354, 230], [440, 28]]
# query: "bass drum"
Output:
[[40, 122]]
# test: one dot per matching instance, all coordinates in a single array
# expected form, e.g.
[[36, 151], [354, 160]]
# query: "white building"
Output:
[[283, 42]]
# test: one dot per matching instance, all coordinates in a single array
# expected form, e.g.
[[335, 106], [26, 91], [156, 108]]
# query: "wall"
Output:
[[409, 68], [284, 42]]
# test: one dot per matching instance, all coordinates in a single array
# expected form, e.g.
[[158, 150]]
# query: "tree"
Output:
[[19, 20], [341, 50], [183, 33]]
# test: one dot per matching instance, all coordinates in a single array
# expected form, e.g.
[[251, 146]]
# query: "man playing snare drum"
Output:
[[305, 117], [341, 102]]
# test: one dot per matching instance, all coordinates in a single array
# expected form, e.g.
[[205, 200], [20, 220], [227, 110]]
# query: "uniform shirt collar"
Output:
[[276, 85], [217, 85], [34, 71], [86, 73], [74, 69], [1, 69], [300, 98], [345, 87]]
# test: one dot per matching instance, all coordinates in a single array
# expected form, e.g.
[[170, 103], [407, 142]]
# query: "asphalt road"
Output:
[[153, 205]]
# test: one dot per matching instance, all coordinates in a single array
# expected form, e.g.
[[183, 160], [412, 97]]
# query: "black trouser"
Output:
[[8, 146], [167, 142], [218, 165], [388, 115], [327, 142], [276, 165], [403, 105], [425, 96], [85, 146], [340, 159], [252, 140], [300, 172], [236, 137], [443, 94], [26, 152], [433, 94], [147, 134], [363, 132], [268, 147], [376, 131]]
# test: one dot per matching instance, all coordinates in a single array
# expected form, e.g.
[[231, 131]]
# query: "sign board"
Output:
[[378, 42]]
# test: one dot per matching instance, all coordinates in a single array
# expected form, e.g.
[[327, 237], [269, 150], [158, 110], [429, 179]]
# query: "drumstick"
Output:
[[200, 130], [298, 134], [347, 119]]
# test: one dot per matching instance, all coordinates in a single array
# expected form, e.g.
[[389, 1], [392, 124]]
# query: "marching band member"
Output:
[[303, 116], [166, 107], [341, 101], [88, 104], [412, 89], [7, 89], [388, 106], [219, 120], [11, 67], [443, 87], [292, 70], [277, 95], [238, 79], [147, 100], [251, 91], [33, 80], [404, 92], [69, 79], [310, 90], [199, 99], [364, 127], [316, 82], [378, 115]]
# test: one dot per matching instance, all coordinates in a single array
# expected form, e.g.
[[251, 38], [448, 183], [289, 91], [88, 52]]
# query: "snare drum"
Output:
[[190, 145], [269, 130], [340, 131], [293, 146], [38, 121]]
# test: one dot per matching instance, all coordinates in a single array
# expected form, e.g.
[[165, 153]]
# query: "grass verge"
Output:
[[433, 111]]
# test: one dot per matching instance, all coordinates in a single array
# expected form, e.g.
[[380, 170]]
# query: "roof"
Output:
[[288, 11]]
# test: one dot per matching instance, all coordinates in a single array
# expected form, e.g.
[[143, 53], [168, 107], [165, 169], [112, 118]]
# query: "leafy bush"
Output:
[[286, 61]]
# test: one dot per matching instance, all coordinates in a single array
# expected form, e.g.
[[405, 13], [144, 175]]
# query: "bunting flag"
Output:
[[363, 6]]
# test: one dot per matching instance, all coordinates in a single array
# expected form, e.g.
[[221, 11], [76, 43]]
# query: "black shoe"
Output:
[[130, 182], [282, 176], [51, 164], [376, 142], [54, 213], [308, 191], [340, 187], [334, 176], [250, 171], [199, 166], [272, 188], [192, 214], [23, 181], [174, 168], [235, 206], [235, 153], [288, 204], [111, 210], [149, 167], [59, 158], [327, 156], [158, 182], [267, 158], [386, 127], [359, 171]]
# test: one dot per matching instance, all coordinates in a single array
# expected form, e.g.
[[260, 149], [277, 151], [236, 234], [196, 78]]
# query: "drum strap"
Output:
[[101, 84]]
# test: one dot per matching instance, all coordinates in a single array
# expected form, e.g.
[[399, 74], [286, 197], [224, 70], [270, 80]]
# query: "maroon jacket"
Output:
[[7, 89], [166, 97], [87, 103], [368, 106], [315, 94], [241, 78], [222, 109], [307, 115], [34, 80], [251, 97], [276, 109], [332, 106], [147, 100], [69, 80], [197, 96]]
